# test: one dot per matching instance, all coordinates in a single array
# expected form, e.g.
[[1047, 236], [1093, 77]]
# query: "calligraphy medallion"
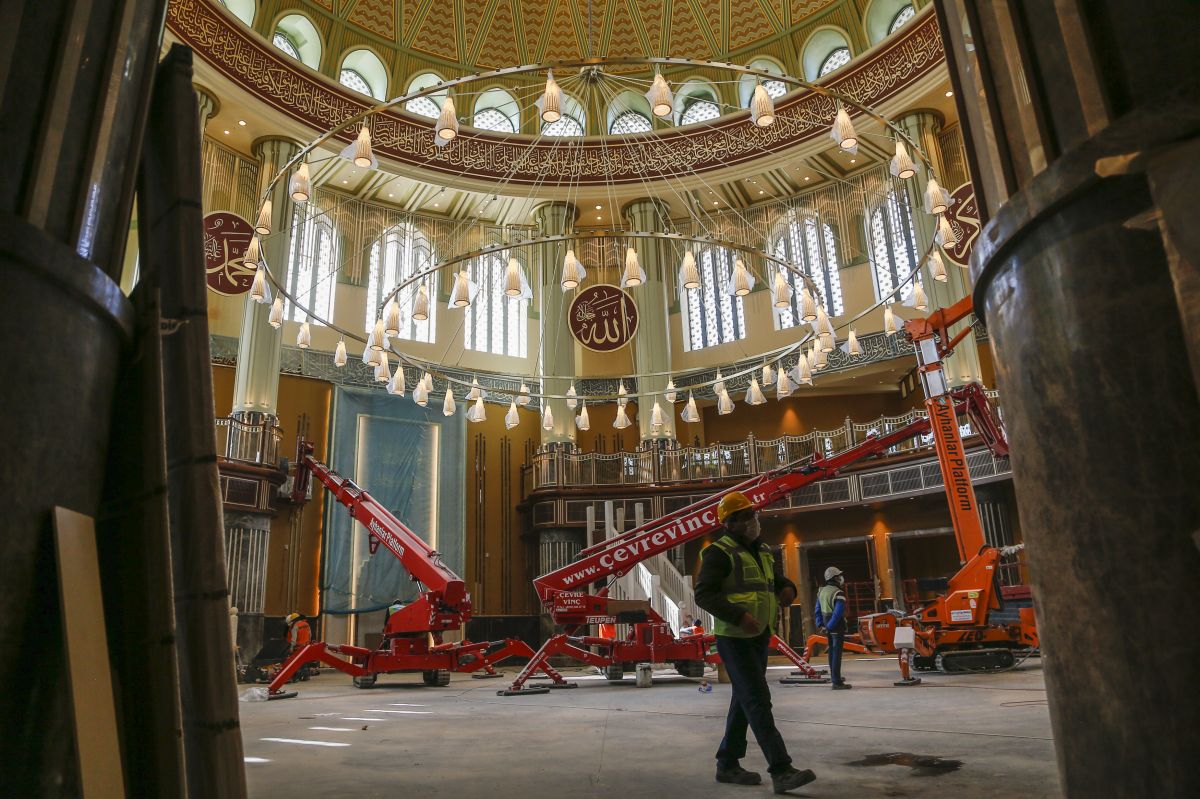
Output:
[[603, 318], [226, 237], [963, 216]]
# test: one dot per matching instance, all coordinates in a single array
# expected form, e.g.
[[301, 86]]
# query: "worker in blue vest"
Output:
[[741, 584], [830, 615]]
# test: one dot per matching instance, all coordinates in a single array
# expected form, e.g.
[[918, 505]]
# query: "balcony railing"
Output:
[[248, 442]]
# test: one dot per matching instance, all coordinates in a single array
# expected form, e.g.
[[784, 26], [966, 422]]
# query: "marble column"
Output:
[[923, 127], [557, 343], [652, 343]]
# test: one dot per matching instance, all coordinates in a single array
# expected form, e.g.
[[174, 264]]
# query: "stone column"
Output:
[[557, 343], [652, 343], [209, 106], [923, 127]]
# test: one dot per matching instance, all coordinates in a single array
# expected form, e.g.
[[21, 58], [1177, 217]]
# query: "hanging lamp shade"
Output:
[[582, 421], [339, 354], [762, 107], [464, 291], [428, 379], [515, 284], [376, 339], [446, 127], [260, 291], [719, 384], [360, 151], [889, 321], [853, 348], [724, 404], [902, 165], [919, 300], [842, 131], [662, 103], [937, 199], [370, 357], [622, 420], [477, 413], [657, 419], [826, 339], [573, 272], [669, 394], [383, 371], [263, 226], [810, 358], [550, 104], [420, 394], [689, 274], [820, 358], [571, 401], [633, 275], [622, 394], [476, 392], [275, 319], [754, 395], [783, 385], [945, 232], [396, 385], [449, 406], [803, 372], [808, 306], [523, 396], [301, 184], [937, 269], [512, 418], [768, 375], [822, 321], [781, 292], [690, 414], [304, 336], [741, 282], [253, 256], [391, 318], [421, 304]]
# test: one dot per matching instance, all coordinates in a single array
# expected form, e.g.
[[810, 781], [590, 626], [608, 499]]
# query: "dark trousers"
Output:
[[745, 661], [836, 642]]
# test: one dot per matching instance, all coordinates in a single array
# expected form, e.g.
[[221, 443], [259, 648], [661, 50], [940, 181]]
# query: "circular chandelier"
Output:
[[812, 346]]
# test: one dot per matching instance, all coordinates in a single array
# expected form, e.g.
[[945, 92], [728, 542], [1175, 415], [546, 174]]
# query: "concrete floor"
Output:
[[621, 742]]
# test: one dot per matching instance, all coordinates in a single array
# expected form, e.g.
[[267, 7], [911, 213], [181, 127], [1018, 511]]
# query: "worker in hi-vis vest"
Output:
[[830, 616], [741, 584]]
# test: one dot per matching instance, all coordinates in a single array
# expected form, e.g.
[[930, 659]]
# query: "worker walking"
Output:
[[741, 584], [298, 632], [830, 616]]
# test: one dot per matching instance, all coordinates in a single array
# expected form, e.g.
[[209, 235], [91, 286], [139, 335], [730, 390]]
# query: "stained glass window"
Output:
[[629, 122], [312, 265], [902, 16], [284, 43], [351, 79], [893, 244], [699, 110], [710, 315], [400, 253], [493, 119], [809, 245], [565, 125], [835, 60], [495, 322]]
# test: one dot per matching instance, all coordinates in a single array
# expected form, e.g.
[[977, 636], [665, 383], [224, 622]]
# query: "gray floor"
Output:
[[622, 742]]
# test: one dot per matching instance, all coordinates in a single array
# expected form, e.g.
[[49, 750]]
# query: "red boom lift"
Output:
[[564, 593], [412, 638]]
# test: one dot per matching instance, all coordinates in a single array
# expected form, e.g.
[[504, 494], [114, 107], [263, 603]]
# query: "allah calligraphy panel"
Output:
[[963, 216], [226, 237], [603, 318]]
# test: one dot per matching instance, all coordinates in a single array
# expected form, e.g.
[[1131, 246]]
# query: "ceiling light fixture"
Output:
[[662, 102], [902, 164]]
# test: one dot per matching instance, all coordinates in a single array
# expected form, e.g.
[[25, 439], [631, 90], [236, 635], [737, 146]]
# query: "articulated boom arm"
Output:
[[418, 558], [618, 555]]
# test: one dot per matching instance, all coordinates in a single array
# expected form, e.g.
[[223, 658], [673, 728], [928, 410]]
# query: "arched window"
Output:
[[808, 244], [284, 43], [699, 109], [710, 315], [885, 17], [363, 72], [495, 109], [401, 252], [243, 10], [431, 104], [630, 122], [296, 36], [836, 59], [893, 244], [351, 79], [902, 16], [825, 51], [746, 83], [495, 322], [491, 119], [565, 125], [312, 264]]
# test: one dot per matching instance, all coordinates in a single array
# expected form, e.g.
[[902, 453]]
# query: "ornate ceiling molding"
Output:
[[316, 101]]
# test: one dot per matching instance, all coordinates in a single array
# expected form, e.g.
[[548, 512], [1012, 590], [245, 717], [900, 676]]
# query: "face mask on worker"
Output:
[[751, 529]]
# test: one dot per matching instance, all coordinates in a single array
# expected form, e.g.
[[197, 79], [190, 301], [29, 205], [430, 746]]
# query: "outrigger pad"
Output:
[[818, 669], [909, 681], [557, 685], [804, 681], [524, 691], [485, 676], [283, 695]]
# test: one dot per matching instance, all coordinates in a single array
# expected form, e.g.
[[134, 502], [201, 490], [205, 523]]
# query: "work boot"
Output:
[[738, 776], [842, 686], [785, 781]]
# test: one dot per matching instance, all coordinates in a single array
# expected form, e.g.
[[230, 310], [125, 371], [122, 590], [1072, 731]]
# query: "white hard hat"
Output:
[[831, 572]]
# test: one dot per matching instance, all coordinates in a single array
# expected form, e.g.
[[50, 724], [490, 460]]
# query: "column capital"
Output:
[[555, 218], [647, 214], [208, 104], [928, 119]]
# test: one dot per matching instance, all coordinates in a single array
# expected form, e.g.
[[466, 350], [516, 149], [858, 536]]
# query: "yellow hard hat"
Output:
[[291, 617], [730, 504]]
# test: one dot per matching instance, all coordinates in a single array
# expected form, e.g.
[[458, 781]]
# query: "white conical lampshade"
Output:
[[515, 284], [391, 318], [550, 103], [622, 394], [428, 380], [902, 164], [754, 395], [421, 304], [937, 269], [661, 101], [689, 274], [669, 393], [396, 385], [275, 319], [945, 232], [843, 133], [826, 339], [853, 348], [263, 226], [512, 418], [783, 385], [446, 127], [622, 420], [301, 184], [822, 322], [918, 299], [463, 291], [523, 396], [260, 290], [339, 355], [810, 357], [781, 292], [304, 336], [719, 384], [820, 358], [657, 421], [741, 282], [253, 256], [376, 339], [724, 403], [448, 405], [808, 306], [477, 413], [573, 272], [762, 107], [937, 199], [889, 321], [362, 149], [383, 371], [571, 401], [768, 374], [803, 372], [690, 414], [633, 275], [370, 357], [582, 421], [420, 394]]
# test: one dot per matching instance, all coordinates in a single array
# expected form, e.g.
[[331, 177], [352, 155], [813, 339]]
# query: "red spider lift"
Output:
[[412, 637], [564, 592]]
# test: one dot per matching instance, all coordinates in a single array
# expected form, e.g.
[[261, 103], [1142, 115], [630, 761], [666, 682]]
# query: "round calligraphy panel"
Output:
[[603, 318], [226, 237], [963, 216]]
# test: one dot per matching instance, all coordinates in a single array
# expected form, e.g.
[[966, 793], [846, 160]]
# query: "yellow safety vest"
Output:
[[751, 584]]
